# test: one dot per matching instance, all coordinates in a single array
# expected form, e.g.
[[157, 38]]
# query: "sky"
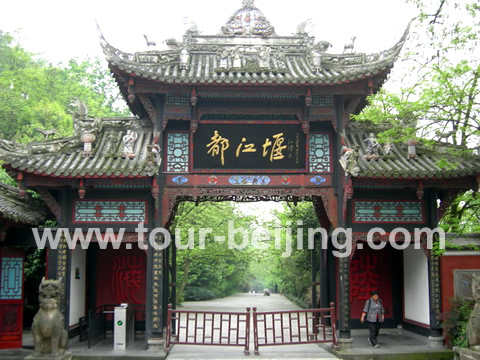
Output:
[[58, 30]]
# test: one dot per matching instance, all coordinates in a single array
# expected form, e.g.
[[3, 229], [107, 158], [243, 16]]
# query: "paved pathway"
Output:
[[240, 302]]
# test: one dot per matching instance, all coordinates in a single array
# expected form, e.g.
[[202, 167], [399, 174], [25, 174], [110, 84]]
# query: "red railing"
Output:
[[294, 327], [208, 328]]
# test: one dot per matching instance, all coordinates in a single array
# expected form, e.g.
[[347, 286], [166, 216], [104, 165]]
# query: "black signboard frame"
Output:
[[289, 136]]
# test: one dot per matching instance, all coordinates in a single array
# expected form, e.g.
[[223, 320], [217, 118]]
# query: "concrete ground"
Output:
[[394, 343]]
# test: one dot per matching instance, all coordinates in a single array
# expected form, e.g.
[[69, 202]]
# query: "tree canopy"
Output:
[[215, 270], [437, 98], [35, 94]]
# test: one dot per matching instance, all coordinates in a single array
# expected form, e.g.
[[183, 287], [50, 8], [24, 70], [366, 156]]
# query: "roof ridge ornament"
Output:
[[248, 21], [248, 4]]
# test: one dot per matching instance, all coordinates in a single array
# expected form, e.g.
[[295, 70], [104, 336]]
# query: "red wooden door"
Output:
[[371, 270], [11, 298]]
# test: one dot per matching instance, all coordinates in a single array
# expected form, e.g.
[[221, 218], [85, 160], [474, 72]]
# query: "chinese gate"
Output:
[[244, 115]]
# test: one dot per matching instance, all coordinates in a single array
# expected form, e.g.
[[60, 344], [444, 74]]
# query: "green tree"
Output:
[[463, 216], [438, 98], [290, 270], [37, 95]]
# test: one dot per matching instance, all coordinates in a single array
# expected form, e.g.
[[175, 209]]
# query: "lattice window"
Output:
[[177, 99], [322, 100], [319, 153], [12, 279], [177, 152]]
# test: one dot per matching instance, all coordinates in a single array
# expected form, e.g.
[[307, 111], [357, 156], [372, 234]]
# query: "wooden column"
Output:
[[343, 263], [344, 293], [324, 279], [155, 258], [434, 272]]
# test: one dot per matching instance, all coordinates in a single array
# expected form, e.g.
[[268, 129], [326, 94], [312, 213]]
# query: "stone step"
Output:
[[14, 354], [434, 355]]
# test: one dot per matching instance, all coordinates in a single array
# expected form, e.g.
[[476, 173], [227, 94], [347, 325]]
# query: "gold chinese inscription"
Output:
[[248, 147], [276, 150], [218, 146], [273, 149]]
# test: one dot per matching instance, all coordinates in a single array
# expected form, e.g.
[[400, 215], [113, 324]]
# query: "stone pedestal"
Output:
[[345, 343], [155, 344], [66, 356], [435, 342], [466, 354]]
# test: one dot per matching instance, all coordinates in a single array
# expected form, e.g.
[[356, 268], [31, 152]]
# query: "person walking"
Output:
[[374, 314]]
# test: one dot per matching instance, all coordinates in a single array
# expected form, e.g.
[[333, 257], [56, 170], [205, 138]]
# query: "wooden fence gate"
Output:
[[271, 328]]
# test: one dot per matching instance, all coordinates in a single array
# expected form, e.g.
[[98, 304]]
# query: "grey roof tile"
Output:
[[106, 159], [289, 61], [398, 164], [25, 211]]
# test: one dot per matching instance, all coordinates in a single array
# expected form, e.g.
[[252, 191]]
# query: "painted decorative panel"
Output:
[[369, 211], [96, 211], [249, 180], [322, 100], [318, 180], [177, 152], [319, 153], [177, 99], [12, 278], [180, 180]]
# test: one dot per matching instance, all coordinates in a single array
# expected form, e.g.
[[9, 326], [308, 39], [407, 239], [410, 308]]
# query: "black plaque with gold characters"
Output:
[[249, 147]]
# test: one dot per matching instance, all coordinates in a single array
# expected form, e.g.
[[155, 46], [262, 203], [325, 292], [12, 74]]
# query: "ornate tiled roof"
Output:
[[425, 162], [25, 211], [70, 157], [247, 51]]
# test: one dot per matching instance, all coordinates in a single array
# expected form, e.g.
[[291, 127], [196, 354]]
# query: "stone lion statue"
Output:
[[473, 325], [49, 334]]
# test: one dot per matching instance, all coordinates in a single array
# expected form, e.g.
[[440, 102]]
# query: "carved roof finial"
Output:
[[248, 4], [303, 27], [248, 21]]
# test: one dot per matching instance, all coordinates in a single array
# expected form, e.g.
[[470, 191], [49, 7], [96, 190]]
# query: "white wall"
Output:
[[416, 288], [78, 286]]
